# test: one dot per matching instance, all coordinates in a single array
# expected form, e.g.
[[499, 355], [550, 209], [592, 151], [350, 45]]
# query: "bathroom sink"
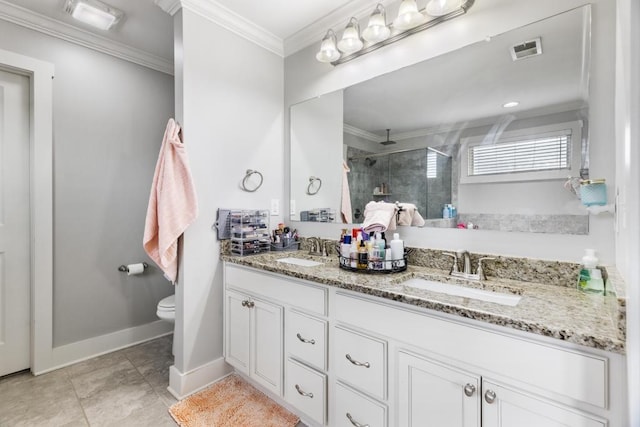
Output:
[[299, 261], [462, 291]]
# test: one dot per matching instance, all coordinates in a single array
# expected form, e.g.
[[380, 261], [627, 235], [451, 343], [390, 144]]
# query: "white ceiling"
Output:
[[148, 28]]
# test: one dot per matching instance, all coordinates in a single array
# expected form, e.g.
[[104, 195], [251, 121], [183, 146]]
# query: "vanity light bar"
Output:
[[461, 10]]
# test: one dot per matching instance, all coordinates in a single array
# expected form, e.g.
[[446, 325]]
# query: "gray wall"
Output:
[[109, 118]]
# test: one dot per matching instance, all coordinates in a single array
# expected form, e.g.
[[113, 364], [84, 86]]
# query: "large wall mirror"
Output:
[[443, 132]]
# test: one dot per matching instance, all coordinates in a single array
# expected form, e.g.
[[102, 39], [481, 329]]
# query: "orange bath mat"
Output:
[[231, 402]]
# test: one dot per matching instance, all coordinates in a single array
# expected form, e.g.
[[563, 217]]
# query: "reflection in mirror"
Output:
[[437, 111]]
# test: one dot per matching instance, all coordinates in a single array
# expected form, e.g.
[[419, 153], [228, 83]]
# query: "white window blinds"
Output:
[[526, 155]]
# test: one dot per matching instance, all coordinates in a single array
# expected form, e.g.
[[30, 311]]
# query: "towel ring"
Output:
[[246, 178], [312, 180]]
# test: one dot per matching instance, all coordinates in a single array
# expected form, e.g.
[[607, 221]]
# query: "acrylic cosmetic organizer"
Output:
[[249, 231]]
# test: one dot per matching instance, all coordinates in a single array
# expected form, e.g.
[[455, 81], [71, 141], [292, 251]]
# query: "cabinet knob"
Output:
[[469, 389], [490, 396], [304, 340], [355, 362], [244, 303], [303, 393], [251, 304], [354, 422]]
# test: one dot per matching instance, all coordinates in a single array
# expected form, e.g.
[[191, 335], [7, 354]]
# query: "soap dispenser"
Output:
[[590, 278]]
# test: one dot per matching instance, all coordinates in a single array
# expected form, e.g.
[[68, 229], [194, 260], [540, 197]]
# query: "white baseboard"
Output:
[[182, 385], [86, 349]]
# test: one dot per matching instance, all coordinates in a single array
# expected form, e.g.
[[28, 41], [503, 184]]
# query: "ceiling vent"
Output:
[[526, 49]]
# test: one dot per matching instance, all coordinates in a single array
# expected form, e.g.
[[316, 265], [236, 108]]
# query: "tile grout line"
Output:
[[75, 392]]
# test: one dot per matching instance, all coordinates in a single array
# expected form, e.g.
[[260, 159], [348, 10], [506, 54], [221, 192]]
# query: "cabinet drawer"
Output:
[[308, 297], [361, 361], [307, 390], [307, 339], [352, 408]]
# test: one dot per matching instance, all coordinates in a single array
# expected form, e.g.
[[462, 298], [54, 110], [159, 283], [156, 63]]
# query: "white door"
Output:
[[434, 394], [504, 407], [237, 333], [267, 336], [15, 252]]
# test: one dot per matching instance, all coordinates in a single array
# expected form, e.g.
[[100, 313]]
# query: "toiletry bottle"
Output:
[[353, 254], [397, 250], [345, 247], [388, 260], [590, 277], [363, 256], [445, 212], [381, 244]]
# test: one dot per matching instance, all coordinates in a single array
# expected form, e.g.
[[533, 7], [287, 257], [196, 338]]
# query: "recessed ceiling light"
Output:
[[511, 104], [94, 13]]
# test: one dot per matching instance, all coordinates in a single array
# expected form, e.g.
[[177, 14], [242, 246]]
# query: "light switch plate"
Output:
[[292, 207], [275, 207]]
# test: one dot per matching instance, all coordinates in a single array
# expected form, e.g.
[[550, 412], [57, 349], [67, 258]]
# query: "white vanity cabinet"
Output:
[[253, 338], [276, 333], [432, 393], [345, 359]]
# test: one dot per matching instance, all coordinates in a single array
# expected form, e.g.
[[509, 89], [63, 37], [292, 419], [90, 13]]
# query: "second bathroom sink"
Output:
[[462, 291], [299, 261]]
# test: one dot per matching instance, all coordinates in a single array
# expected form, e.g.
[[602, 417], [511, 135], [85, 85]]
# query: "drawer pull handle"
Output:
[[305, 340], [354, 422], [490, 396], [355, 362], [303, 393], [469, 389]]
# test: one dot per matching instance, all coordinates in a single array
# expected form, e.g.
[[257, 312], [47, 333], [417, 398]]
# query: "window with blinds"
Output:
[[432, 164], [526, 155]]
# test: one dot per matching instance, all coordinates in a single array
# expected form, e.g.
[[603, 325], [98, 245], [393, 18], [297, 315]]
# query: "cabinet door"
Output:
[[266, 351], [434, 394], [506, 407], [237, 331]]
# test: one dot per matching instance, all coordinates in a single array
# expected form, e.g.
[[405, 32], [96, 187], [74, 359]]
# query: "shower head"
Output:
[[370, 162], [388, 141]]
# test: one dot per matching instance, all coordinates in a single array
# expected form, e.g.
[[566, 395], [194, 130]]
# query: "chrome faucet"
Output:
[[466, 261], [466, 269], [315, 246]]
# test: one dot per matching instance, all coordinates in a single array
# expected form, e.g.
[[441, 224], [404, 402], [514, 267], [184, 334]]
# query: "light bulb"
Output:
[[408, 15], [328, 51], [442, 7], [350, 41], [377, 29]]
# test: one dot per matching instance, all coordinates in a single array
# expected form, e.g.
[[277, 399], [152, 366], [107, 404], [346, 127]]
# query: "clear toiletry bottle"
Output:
[[590, 277]]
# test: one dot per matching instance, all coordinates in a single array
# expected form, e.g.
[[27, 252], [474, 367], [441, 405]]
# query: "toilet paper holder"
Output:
[[125, 269]]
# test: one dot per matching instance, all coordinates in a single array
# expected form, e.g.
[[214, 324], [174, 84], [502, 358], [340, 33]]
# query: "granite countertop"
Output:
[[560, 312]]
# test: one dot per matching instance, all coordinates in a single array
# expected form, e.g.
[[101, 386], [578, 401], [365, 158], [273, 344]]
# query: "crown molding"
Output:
[[226, 18], [336, 20], [352, 130], [52, 27], [169, 6]]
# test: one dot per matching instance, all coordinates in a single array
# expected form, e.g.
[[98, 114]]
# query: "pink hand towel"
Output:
[[379, 216], [345, 209], [173, 204]]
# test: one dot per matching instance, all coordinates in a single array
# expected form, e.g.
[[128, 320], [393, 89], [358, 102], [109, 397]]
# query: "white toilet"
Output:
[[167, 309]]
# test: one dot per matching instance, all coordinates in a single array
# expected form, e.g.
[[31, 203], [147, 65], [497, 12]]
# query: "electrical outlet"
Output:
[[275, 207], [292, 207]]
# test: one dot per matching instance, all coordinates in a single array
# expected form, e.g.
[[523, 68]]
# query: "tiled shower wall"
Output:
[[405, 175]]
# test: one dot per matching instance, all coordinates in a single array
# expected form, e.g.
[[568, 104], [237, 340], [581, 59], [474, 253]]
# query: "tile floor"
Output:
[[124, 388]]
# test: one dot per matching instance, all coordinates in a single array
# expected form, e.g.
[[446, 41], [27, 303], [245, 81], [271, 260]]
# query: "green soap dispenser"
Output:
[[590, 277]]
